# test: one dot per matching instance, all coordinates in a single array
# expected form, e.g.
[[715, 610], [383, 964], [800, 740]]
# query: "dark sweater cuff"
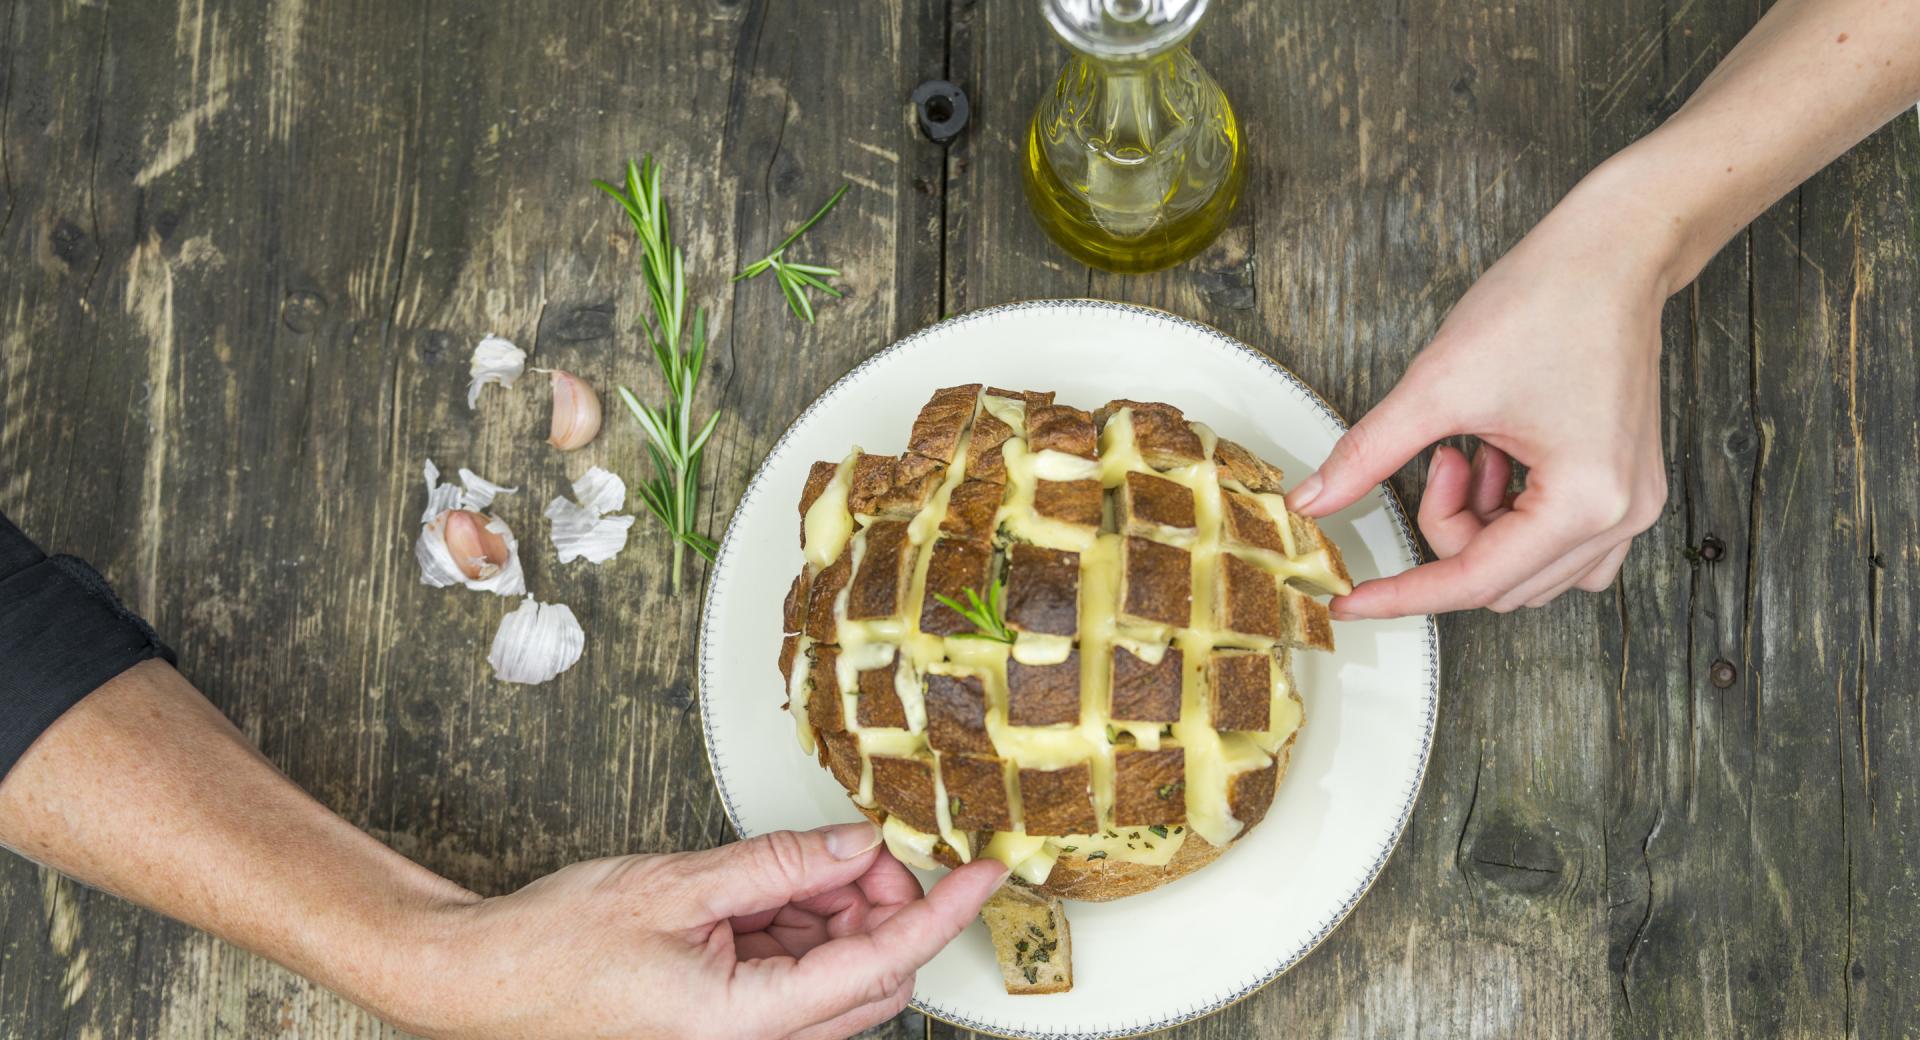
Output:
[[63, 634]]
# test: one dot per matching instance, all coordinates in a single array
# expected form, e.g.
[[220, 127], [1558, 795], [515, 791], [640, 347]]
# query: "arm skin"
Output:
[[145, 790], [1552, 358]]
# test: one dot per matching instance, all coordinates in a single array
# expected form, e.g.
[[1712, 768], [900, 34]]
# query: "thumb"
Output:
[[772, 870], [859, 969], [1382, 441]]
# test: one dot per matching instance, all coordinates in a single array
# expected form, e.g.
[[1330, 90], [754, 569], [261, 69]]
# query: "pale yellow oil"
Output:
[[1134, 168]]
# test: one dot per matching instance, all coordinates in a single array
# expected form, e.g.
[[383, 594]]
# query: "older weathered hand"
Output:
[[813, 934]]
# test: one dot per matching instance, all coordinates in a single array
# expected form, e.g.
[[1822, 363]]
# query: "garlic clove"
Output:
[[576, 412], [477, 551], [487, 557]]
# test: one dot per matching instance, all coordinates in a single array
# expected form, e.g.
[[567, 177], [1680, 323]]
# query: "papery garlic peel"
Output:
[[576, 412]]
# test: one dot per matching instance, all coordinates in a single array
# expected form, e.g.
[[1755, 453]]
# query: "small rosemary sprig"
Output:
[[797, 279], [673, 491], [988, 616]]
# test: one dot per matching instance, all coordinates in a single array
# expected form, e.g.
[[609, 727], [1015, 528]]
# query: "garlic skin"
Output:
[[582, 530], [536, 642], [460, 546], [576, 412], [495, 360]]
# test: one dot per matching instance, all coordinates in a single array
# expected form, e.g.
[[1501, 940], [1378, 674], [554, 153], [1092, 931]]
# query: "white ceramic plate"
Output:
[[1208, 940]]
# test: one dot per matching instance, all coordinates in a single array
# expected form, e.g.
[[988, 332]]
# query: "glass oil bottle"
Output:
[[1133, 162]]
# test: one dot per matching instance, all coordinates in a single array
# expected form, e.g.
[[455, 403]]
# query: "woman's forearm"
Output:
[[145, 790], [1810, 80]]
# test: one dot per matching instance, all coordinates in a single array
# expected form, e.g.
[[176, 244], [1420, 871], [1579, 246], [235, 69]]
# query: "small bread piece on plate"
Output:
[[1150, 505], [1156, 582], [1246, 599], [818, 477], [879, 702], [1145, 692], [822, 626], [879, 587], [1245, 523], [1031, 940], [957, 715], [971, 508], [823, 689], [1240, 689], [1149, 787], [942, 421], [1044, 695], [1076, 502], [1058, 801], [985, 460], [1250, 471], [1062, 428], [954, 567], [1160, 431], [905, 787], [976, 792], [1043, 590]]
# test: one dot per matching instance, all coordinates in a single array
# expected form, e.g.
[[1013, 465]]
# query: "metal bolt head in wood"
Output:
[[942, 109]]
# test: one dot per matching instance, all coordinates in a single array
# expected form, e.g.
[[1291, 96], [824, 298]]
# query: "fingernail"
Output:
[[1341, 615], [1433, 465], [847, 840], [1305, 493]]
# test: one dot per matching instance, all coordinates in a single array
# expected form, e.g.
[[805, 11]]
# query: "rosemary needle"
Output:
[[987, 615], [798, 279]]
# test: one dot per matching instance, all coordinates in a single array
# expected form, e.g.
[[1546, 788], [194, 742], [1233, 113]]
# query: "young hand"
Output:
[[1551, 360]]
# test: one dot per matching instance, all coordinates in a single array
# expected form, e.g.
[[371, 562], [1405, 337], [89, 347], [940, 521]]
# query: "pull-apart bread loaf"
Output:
[[1154, 586]]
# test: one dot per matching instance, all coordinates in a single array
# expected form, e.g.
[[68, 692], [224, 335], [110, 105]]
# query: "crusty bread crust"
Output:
[[1097, 881], [1100, 880]]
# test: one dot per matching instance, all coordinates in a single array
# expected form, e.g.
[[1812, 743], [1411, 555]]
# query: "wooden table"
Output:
[[248, 246]]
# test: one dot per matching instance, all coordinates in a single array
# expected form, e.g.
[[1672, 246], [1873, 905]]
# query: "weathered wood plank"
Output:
[[243, 253]]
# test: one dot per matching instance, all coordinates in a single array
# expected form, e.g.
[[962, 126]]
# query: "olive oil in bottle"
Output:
[[1133, 162]]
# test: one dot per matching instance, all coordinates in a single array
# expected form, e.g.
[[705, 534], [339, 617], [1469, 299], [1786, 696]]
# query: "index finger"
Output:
[[1516, 546]]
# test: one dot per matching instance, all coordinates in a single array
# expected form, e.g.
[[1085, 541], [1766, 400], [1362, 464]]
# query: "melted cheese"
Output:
[[1009, 410], [1031, 859], [909, 846], [1131, 844], [828, 524], [1033, 648], [797, 696], [1016, 515]]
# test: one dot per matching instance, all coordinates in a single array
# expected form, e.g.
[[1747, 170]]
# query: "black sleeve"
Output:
[[63, 634]]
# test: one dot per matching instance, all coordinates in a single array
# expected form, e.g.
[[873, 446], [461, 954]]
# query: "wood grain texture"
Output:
[[245, 248]]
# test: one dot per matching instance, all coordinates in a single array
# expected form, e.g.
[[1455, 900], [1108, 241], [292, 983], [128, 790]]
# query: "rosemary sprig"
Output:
[[988, 616], [673, 491], [797, 279]]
